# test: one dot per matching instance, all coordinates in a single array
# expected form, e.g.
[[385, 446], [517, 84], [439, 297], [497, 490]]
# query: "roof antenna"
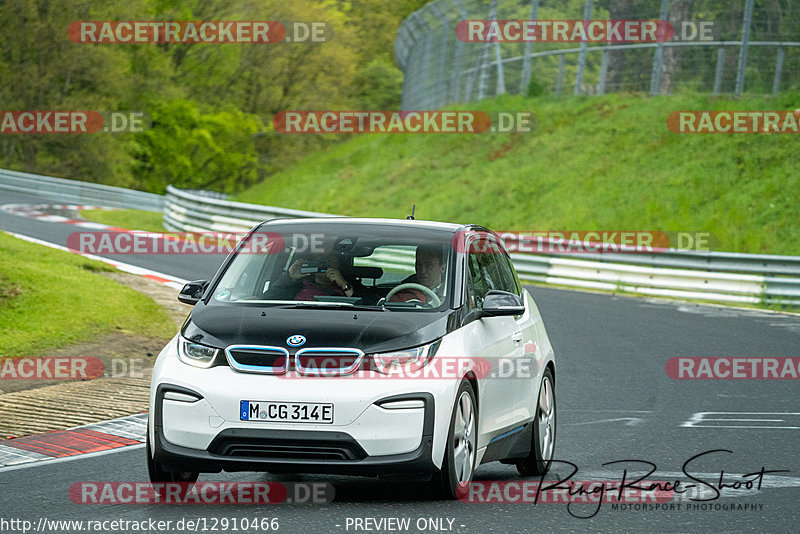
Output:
[[413, 207]]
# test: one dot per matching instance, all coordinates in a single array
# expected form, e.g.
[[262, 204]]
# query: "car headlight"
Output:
[[405, 361], [196, 354]]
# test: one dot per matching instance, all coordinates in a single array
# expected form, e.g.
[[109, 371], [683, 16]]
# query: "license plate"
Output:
[[286, 412]]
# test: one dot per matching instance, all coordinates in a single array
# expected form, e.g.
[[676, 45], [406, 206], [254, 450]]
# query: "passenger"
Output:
[[297, 285]]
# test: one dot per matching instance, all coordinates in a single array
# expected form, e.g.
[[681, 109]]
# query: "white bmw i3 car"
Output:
[[357, 346]]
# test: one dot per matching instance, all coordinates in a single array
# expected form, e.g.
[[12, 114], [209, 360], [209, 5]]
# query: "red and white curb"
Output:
[[94, 438], [41, 212]]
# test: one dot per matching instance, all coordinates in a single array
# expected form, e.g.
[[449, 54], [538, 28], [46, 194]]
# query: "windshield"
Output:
[[342, 266]]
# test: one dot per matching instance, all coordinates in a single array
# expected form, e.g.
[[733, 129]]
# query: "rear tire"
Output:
[[458, 466], [158, 475], [543, 442]]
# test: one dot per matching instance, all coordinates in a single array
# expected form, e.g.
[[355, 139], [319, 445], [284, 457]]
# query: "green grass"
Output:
[[50, 298], [149, 221], [593, 163]]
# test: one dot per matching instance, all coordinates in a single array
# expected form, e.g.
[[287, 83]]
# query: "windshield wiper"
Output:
[[335, 305]]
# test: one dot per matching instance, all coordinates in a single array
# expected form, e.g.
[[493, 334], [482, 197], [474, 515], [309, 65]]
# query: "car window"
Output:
[[489, 268], [396, 263], [373, 261], [507, 273]]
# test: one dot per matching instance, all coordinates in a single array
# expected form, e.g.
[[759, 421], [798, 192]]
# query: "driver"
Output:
[[430, 269]]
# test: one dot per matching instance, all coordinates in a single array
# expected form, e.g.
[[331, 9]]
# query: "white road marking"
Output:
[[631, 421], [698, 420]]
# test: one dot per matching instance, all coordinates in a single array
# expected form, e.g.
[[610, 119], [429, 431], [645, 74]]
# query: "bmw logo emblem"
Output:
[[296, 340]]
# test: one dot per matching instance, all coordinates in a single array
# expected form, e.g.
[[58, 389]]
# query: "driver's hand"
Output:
[[336, 277], [294, 271]]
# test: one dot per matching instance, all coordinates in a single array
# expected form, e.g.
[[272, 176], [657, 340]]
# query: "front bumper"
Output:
[[292, 451], [197, 428]]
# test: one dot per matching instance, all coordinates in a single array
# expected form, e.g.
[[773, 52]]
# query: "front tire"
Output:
[[544, 431], [159, 476], [452, 480]]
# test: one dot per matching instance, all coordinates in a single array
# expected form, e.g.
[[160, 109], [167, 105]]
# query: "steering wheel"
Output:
[[433, 298]]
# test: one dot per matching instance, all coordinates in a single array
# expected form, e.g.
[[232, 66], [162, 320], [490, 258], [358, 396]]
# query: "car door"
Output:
[[524, 361], [491, 339]]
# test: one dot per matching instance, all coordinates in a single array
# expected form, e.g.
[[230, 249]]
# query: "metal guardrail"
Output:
[[713, 276], [188, 211], [659, 281], [74, 191]]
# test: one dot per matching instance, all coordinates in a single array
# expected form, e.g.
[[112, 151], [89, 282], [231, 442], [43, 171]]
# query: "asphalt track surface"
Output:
[[615, 402]]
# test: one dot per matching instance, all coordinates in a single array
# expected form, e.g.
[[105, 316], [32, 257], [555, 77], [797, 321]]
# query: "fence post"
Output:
[[411, 80], [402, 61], [484, 70], [658, 58], [776, 83], [747, 19], [601, 83], [456, 83], [500, 87], [525, 80], [443, 80], [426, 62], [720, 66], [560, 79], [587, 15]]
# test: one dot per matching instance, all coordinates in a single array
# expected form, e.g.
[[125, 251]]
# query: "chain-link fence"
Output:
[[750, 46]]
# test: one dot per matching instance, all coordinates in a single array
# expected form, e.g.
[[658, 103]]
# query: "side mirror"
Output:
[[193, 292], [497, 303]]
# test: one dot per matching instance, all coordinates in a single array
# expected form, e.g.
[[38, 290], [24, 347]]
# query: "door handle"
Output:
[[516, 336]]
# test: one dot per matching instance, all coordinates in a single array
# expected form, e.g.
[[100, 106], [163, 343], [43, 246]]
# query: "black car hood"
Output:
[[370, 331]]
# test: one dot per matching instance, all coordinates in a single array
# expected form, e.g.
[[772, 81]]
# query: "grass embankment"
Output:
[[593, 163], [148, 221], [50, 298]]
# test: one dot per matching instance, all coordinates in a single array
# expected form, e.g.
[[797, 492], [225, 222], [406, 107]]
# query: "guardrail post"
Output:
[[525, 80], [658, 58], [587, 15], [747, 19], [776, 83], [720, 67]]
